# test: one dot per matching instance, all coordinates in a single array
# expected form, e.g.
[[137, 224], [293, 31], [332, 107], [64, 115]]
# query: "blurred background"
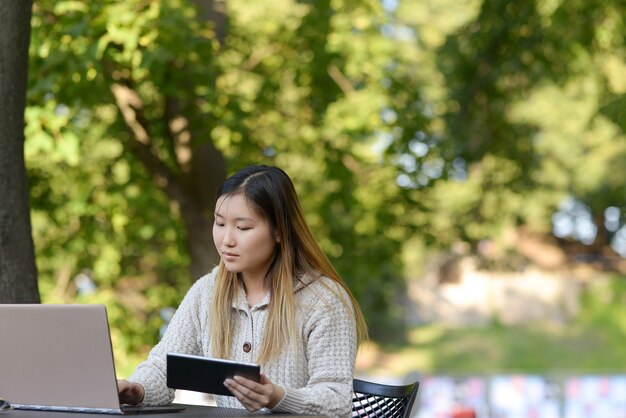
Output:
[[461, 163]]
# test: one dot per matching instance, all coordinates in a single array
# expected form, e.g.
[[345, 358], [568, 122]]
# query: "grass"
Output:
[[592, 343]]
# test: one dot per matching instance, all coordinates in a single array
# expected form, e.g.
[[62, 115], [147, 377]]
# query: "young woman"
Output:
[[274, 299]]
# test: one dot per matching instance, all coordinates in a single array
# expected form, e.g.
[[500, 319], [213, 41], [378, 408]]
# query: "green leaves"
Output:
[[423, 123]]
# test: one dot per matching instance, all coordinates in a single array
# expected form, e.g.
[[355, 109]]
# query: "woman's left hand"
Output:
[[255, 395]]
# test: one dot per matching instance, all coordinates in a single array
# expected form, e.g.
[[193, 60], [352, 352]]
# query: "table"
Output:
[[191, 411]]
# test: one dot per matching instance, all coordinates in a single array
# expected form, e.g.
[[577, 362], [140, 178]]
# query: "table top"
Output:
[[191, 411]]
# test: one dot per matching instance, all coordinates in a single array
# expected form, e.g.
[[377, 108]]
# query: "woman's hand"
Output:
[[255, 395], [130, 393]]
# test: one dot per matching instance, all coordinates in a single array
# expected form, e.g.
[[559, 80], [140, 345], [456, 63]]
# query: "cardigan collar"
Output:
[[241, 302]]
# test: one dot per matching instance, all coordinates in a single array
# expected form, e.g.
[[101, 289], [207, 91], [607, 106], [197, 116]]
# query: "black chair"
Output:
[[382, 401]]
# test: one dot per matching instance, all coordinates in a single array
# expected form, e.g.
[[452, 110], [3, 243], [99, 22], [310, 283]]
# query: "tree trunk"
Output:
[[206, 169], [18, 272], [201, 166], [207, 173], [192, 184], [214, 11]]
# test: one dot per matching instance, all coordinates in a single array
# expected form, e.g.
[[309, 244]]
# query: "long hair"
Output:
[[270, 192]]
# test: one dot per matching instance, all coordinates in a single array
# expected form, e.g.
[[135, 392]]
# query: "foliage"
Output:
[[518, 121], [288, 87], [405, 126]]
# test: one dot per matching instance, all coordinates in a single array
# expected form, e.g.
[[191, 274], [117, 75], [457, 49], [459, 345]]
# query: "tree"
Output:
[[517, 119], [440, 122], [129, 97], [18, 272]]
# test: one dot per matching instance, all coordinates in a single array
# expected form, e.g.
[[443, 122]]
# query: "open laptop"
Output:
[[60, 358]]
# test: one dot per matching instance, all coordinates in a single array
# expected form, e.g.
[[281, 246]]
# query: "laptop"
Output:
[[60, 358]]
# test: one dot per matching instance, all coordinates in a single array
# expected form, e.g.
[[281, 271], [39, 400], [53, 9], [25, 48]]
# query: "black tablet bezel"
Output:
[[205, 374]]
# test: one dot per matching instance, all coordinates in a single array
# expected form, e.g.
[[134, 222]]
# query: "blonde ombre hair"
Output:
[[270, 192]]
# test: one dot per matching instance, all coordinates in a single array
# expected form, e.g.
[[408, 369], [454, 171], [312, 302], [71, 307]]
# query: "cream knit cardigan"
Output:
[[316, 375]]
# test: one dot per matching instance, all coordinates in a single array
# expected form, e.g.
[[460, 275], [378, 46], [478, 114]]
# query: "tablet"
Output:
[[205, 374]]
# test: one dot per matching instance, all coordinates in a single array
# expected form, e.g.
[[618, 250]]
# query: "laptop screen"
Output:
[[57, 356]]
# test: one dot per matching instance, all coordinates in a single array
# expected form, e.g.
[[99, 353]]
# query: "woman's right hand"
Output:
[[130, 393]]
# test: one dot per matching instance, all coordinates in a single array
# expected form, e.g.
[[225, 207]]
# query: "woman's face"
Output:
[[242, 237]]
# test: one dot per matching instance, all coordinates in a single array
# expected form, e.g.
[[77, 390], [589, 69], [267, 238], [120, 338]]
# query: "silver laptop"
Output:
[[59, 358]]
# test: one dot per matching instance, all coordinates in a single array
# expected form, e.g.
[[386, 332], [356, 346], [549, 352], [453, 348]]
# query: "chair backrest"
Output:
[[382, 401]]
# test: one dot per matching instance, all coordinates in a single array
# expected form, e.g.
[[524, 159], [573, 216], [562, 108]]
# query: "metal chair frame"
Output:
[[376, 400]]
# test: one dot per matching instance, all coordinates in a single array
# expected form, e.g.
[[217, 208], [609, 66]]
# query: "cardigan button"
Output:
[[247, 347]]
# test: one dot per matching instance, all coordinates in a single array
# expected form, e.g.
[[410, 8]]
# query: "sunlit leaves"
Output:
[[399, 122]]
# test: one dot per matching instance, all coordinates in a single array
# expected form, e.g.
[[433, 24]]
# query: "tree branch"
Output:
[[131, 107], [342, 81]]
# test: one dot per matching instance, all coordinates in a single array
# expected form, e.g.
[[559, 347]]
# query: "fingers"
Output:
[[252, 395], [130, 393], [264, 379]]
